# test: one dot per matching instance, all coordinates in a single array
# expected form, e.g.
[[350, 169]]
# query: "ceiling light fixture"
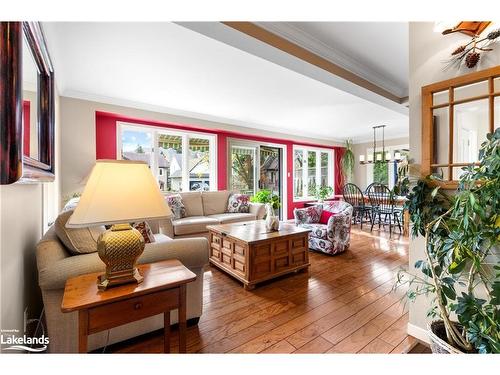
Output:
[[381, 156]]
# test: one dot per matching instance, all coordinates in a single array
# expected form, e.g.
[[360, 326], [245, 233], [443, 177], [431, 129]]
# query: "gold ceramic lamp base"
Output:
[[119, 248]]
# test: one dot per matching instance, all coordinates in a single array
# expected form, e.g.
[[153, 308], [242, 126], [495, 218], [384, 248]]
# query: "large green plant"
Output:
[[266, 196], [347, 161], [462, 238], [322, 192]]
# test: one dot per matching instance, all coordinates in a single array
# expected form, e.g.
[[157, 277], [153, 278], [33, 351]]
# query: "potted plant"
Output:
[[347, 161], [267, 196], [461, 269], [322, 192]]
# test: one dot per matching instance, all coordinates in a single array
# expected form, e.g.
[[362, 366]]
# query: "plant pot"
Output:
[[437, 336]]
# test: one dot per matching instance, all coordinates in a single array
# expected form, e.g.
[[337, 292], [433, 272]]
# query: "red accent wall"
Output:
[[106, 148]]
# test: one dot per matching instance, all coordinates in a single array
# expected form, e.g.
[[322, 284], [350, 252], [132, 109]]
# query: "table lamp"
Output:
[[118, 193]]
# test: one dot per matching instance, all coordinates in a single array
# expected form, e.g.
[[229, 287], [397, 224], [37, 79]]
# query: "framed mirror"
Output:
[[26, 104], [457, 115]]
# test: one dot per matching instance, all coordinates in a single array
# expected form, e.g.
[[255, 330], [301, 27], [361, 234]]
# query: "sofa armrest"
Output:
[[258, 209], [192, 252]]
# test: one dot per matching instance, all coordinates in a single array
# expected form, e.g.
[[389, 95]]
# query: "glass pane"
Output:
[[30, 103], [441, 131], [270, 169], [324, 169], [170, 162], [311, 171], [199, 164], [441, 172], [298, 183], [496, 118], [440, 97], [243, 169], [380, 169], [457, 172], [496, 84], [137, 145], [470, 128], [469, 91]]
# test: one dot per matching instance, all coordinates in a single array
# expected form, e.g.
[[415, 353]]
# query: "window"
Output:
[[385, 173], [311, 167], [180, 160], [457, 116]]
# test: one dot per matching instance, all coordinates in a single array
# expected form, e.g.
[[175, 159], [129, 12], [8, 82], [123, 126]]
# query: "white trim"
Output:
[[331, 170], [185, 134], [418, 332]]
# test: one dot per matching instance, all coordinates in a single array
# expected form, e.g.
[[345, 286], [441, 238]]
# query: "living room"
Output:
[[266, 191]]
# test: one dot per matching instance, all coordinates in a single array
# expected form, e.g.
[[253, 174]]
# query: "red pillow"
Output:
[[325, 215]]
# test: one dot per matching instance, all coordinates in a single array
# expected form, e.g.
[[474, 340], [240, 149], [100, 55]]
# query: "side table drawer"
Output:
[[130, 310]]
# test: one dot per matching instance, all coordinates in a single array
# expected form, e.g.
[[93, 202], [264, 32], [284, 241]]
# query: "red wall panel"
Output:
[[106, 148]]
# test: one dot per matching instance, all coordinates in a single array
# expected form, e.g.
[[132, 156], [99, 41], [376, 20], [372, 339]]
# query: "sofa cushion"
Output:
[[318, 230], [214, 202], [232, 218], [192, 224], [238, 203], [77, 240], [176, 206], [192, 203]]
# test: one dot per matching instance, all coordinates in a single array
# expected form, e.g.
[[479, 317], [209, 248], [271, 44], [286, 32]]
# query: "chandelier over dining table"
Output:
[[380, 156]]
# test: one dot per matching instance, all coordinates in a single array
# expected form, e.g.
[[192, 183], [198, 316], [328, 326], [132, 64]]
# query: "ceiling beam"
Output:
[[293, 49]]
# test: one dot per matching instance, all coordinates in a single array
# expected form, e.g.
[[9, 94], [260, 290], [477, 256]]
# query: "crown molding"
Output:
[[306, 41]]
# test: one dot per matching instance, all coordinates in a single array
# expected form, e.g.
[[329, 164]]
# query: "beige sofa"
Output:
[[208, 208], [56, 265]]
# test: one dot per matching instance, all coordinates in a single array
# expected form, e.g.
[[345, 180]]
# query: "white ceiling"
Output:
[[376, 51], [177, 70]]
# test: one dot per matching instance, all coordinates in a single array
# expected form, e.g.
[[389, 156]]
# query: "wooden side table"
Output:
[[163, 290]]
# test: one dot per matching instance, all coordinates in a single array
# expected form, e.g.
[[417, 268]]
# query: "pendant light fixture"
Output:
[[382, 156]]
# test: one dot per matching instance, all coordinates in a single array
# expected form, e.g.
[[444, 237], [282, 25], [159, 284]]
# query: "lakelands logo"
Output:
[[10, 340]]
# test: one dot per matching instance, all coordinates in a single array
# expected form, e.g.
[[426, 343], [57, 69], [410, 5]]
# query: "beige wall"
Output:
[[428, 50], [25, 212], [359, 177], [79, 143]]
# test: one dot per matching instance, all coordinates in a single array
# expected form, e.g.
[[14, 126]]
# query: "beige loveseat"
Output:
[[56, 265], [208, 208]]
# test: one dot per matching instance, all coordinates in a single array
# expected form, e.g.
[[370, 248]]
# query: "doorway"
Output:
[[255, 166]]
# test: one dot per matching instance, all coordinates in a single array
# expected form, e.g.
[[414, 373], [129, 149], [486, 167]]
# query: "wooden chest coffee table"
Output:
[[251, 254]]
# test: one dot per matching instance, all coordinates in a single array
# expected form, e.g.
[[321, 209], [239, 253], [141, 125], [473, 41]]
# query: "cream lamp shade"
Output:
[[119, 191]]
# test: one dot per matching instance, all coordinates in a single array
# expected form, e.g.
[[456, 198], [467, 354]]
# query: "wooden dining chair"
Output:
[[354, 196], [383, 207]]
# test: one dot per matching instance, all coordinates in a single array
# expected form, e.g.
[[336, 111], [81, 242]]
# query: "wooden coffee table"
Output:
[[251, 254], [163, 290]]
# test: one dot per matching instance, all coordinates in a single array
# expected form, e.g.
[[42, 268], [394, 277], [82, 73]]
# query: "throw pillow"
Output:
[[325, 216], [176, 206], [145, 231], [238, 203], [77, 240], [309, 215]]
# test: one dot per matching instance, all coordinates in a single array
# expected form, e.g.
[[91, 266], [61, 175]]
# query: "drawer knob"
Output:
[[138, 306]]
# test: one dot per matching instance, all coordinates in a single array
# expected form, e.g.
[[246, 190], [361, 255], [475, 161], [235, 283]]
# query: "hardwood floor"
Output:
[[346, 304]]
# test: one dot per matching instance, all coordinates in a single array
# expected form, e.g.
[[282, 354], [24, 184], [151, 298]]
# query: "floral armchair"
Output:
[[331, 238]]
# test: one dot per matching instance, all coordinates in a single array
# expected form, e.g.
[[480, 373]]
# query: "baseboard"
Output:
[[419, 333]]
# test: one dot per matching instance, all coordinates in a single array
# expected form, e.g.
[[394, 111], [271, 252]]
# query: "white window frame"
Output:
[[305, 170], [185, 134], [390, 166]]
